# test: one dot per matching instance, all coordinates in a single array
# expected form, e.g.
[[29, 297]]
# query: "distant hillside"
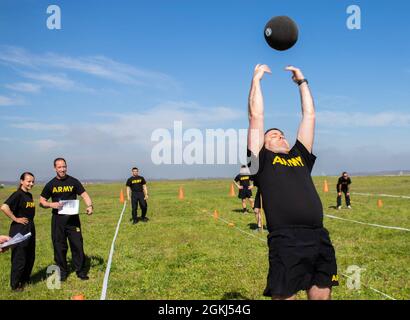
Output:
[[94, 181]]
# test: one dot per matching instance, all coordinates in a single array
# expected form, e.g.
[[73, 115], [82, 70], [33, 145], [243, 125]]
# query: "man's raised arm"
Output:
[[306, 132], [255, 110]]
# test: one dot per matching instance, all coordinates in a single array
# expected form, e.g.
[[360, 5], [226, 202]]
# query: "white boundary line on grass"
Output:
[[250, 234], [368, 224], [382, 293], [381, 195], [107, 270], [239, 229]]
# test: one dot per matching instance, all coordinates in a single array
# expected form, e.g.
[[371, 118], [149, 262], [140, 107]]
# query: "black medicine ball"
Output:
[[281, 33]]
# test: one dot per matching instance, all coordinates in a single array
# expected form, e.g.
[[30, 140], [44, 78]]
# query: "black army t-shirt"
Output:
[[21, 204], [62, 189], [343, 184], [244, 180], [289, 195], [136, 183]]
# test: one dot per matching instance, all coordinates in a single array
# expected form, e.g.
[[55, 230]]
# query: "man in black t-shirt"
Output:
[[301, 256], [343, 186], [137, 193], [63, 227], [243, 182]]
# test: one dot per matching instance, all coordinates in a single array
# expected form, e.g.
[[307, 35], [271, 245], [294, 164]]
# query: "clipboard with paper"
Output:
[[70, 207], [15, 240]]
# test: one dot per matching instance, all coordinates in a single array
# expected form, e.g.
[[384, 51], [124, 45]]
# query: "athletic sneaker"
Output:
[[339, 207], [18, 289], [349, 207], [145, 219]]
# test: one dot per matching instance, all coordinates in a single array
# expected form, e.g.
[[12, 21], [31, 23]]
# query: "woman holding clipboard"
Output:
[[20, 208]]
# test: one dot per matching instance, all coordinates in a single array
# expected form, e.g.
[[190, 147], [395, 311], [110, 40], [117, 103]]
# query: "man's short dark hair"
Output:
[[273, 129], [59, 159], [135, 168]]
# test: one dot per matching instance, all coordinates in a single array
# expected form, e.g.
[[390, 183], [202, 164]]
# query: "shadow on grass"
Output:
[[90, 261], [234, 296], [237, 210], [254, 226], [332, 207]]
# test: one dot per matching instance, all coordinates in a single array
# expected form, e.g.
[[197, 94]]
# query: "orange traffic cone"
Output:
[[232, 191], [78, 297], [325, 187], [181, 193], [216, 215], [122, 196], [379, 203]]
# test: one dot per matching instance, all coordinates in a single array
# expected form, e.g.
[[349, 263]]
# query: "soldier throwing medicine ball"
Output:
[[63, 227], [301, 255], [137, 192]]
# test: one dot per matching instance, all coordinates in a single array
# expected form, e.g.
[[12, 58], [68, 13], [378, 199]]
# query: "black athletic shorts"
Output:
[[300, 257], [244, 193]]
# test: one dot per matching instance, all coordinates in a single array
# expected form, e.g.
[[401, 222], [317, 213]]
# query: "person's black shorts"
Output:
[[298, 259], [244, 193]]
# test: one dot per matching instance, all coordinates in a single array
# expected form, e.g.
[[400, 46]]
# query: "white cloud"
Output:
[[24, 87], [37, 126], [7, 101], [45, 144], [361, 119], [60, 81], [97, 66]]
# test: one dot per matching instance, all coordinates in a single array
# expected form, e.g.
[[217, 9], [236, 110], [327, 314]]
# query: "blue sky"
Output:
[[95, 90]]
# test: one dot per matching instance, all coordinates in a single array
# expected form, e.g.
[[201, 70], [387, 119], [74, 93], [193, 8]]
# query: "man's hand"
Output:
[[348, 194], [146, 197], [2, 240], [339, 194], [296, 73], [240, 187], [21, 220], [89, 210], [260, 70], [56, 205]]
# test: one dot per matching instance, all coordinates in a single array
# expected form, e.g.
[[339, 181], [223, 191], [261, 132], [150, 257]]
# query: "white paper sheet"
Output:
[[15, 240], [70, 207]]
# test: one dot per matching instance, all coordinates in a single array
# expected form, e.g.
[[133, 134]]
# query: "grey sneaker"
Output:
[[339, 207], [349, 207]]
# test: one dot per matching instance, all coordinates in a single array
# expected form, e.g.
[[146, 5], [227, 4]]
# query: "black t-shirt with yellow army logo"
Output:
[[136, 183], [21, 204], [62, 189], [289, 195], [244, 180]]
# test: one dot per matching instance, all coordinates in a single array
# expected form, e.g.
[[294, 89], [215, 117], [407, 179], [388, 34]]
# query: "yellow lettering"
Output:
[[283, 161], [54, 189], [299, 159], [276, 160], [29, 204], [294, 162], [335, 277]]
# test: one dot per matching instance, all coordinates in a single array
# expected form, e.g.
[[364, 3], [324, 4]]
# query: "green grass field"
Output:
[[184, 253]]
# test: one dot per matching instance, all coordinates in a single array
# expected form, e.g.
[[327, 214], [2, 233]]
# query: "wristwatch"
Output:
[[299, 82]]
